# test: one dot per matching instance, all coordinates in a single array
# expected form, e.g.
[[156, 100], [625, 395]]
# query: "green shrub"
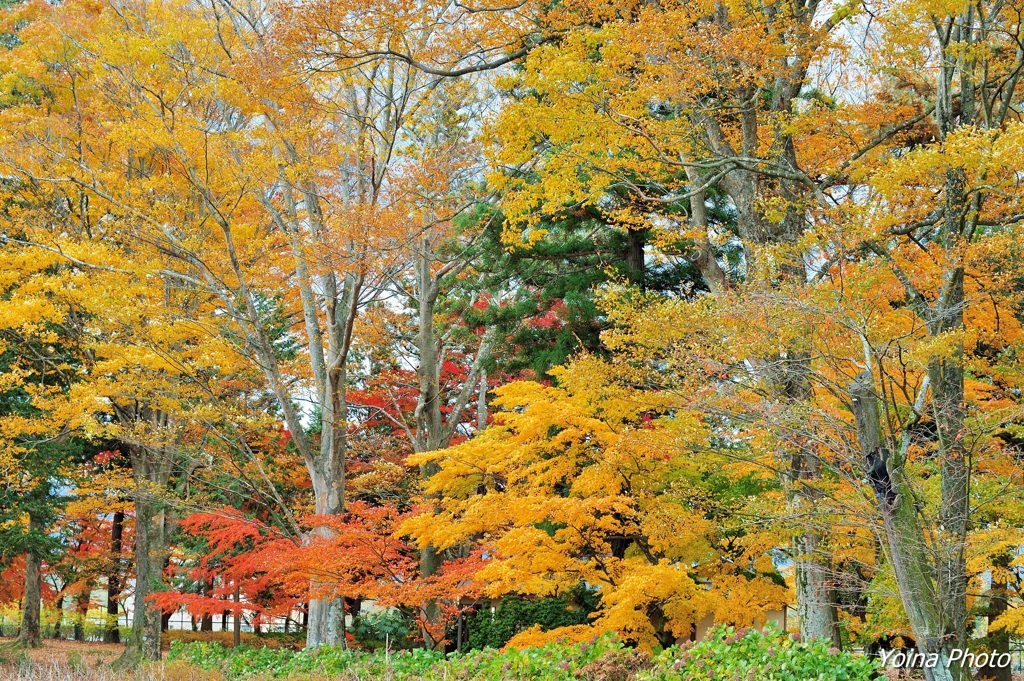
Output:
[[726, 654], [385, 628], [513, 614], [752, 655]]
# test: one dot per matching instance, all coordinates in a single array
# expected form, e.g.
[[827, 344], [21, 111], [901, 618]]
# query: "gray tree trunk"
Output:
[[904, 541], [151, 469], [812, 564], [431, 429], [144, 640], [815, 606]]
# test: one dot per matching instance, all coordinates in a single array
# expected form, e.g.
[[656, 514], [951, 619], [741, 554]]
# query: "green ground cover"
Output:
[[745, 655]]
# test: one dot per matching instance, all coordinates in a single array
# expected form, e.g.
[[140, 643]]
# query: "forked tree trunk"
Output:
[[904, 540], [432, 428]]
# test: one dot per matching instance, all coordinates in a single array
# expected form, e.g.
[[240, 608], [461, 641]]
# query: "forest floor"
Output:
[[83, 661]]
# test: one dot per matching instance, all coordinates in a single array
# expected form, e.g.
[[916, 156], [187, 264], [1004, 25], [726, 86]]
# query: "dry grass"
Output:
[[74, 661], [96, 654]]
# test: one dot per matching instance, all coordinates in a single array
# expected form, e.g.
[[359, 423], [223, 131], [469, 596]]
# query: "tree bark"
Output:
[[112, 634], [151, 470], [636, 243], [814, 593], [904, 540], [144, 640], [28, 635], [999, 641], [59, 626], [816, 610], [947, 384], [431, 429], [82, 612], [812, 567], [206, 622]]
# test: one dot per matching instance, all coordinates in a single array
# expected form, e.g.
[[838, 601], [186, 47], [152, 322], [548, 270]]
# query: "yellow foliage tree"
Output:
[[610, 486]]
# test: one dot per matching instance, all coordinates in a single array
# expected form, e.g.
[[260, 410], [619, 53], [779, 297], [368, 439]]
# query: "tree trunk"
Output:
[[816, 610], [432, 430], [59, 625], [327, 469], [947, 384], [111, 633], [81, 613], [636, 242], [998, 641], [29, 636], [206, 622], [236, 630], [904, 540], [812, 567], [329, 485], [814, 593], [144, 640]]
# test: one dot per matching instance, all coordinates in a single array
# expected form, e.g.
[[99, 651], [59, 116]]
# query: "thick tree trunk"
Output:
[[636, 243], [904, 540], [144, 640], [337, 301], [327, 469], [151, 471], [812, 567], [325, 614], [28, 635], [111, 633], [816, 610], [429, 421], [815, 602]]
